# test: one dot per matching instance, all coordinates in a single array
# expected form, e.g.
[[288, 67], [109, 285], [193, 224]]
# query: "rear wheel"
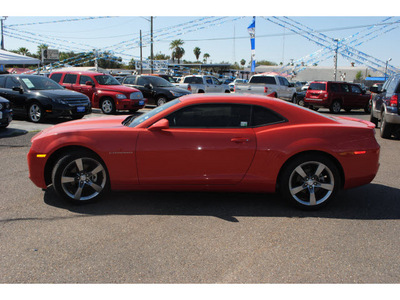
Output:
[[386, 129], [374, 120], [335, 107], [80, 176], [161, 100], [310, 181]]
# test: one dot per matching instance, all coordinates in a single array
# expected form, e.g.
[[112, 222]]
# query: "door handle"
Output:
[[239, 140]]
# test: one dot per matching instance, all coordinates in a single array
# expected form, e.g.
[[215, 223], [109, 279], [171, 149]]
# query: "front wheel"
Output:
[[80, 177], [161, 100], [107, 106], [310, 181], [35, 113]]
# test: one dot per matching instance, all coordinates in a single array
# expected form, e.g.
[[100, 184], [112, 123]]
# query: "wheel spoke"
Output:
[[301, 172], [66, 179], [320, 168], [79, 164], [98, 169], [296, 190], [326, 186], [313, 201], [96, 187], [78, 193]]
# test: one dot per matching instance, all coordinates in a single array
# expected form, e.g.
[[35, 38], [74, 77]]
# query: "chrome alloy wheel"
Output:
[[35, 112], [83, 179], [311, 183], [107, 106]]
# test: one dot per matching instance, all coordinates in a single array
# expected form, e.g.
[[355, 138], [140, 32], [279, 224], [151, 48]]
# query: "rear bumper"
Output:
[[317, 102]]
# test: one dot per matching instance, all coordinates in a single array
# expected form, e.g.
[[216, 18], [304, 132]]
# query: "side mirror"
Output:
[[374, 89], [18, 89], [148, 86], [89, 83], [159, 125]]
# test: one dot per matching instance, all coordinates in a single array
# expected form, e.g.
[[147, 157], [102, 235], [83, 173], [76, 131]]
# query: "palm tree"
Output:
[[175, 44], [197, 52], [243, 62], [23, 51], [206, 56]]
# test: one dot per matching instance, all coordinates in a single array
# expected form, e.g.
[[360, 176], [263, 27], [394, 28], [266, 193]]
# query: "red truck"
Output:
[[104, 91]]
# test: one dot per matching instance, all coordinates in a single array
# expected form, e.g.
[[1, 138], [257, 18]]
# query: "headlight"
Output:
[[61, 101], [175, 94], [136, 96], [120, 96]]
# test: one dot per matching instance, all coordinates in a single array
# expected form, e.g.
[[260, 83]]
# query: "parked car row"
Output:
[[5, 113]]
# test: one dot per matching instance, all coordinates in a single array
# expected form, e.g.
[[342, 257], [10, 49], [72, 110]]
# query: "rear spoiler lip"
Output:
[[368, 123]]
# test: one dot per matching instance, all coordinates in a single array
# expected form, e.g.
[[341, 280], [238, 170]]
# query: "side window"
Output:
[[263, 116], [129, 80], [397, 85], [70, 78], [215, 80], [141, 81], [211, 116], [356, 89], [2, 81], [11, 82], [56, 77], [345, 88], [283, 81], [83, 79], [209, 80]]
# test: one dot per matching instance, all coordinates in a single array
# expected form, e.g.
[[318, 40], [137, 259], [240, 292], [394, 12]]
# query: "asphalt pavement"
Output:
[[190, 237]]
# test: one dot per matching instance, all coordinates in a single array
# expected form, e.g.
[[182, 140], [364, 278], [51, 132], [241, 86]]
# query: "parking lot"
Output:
[[187, 237]]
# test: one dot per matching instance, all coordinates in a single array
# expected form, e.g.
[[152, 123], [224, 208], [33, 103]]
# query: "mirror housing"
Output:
[[89, 83], [159, 125], [18, 89], [148, 86], [374, 89]]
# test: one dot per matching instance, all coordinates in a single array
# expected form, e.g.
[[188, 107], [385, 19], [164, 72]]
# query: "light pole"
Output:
[[336, 54], [386, 66], [2, 34]]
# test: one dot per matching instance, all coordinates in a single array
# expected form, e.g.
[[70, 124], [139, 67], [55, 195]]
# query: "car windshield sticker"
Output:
[[28, 83]]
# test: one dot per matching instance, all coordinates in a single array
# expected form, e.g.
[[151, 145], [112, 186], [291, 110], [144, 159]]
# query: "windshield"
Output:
[[133, 122], [106, 80], [40, 83], [158, 81]]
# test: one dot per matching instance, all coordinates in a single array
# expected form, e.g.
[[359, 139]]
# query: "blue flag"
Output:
[[252, 31]]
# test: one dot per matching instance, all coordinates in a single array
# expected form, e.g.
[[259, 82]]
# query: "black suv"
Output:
[[38, 96], [157, 90], [386, 106], [5, 113]]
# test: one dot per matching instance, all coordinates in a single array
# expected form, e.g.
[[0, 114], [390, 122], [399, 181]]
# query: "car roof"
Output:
[[80, 72]]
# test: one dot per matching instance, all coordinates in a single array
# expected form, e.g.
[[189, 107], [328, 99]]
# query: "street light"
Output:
[[386, 66]]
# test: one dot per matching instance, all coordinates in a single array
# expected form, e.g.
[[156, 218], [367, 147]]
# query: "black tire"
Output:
[[161, 100], [335, 107], [77, 117], [368, 107], [301, 102], [294, 99], [374, 120], [386, 128], [80, 177], [35, 112], [227, 91], [310, 181], [107, 106]]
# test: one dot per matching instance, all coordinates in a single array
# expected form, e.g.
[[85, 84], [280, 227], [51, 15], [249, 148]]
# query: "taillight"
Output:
[[265, 89], [393, 101], [189, 87]]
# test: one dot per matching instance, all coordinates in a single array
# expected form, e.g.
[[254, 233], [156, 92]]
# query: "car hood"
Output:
[[173, 89], [101, 123], [117, 88], [64, 93]]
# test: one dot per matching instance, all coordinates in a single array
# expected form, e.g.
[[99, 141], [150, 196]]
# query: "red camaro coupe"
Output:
[[237, 143]]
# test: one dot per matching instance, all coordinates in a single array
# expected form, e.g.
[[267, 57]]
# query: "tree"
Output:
[[23, 51], [40, 48], [197, 52], [359, 75], [160, 56], [176, 48], [266, 63], [206, 56], [242, 62]]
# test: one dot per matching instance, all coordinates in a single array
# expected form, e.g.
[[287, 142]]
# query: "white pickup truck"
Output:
[[203, 84], [268, 85]]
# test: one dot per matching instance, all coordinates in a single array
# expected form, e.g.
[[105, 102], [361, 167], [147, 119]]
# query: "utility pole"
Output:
[[336, 57], [141, 54], [151, 44], [2, 33]]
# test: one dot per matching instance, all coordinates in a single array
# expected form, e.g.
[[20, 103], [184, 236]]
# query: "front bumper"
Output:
[[5, 117], [65, 110], [130, 104]]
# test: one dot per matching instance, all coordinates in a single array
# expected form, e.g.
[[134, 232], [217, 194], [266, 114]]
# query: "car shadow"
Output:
[[370, 202]]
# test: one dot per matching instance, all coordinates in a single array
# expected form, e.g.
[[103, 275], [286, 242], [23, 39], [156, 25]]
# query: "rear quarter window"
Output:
[[70, 78]]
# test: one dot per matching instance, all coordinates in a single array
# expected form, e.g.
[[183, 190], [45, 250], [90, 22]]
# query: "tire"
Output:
[[310, 181], [301, 102], [35, 112], [335, 107], [374, 120], [227, 92], [368, 107], [161, 100], [294, 99], [77, 117], [107, 106], [80, 177], [132, 111], [386, 129]]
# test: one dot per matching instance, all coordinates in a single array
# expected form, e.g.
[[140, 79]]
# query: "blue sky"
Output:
[[225, 37]]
